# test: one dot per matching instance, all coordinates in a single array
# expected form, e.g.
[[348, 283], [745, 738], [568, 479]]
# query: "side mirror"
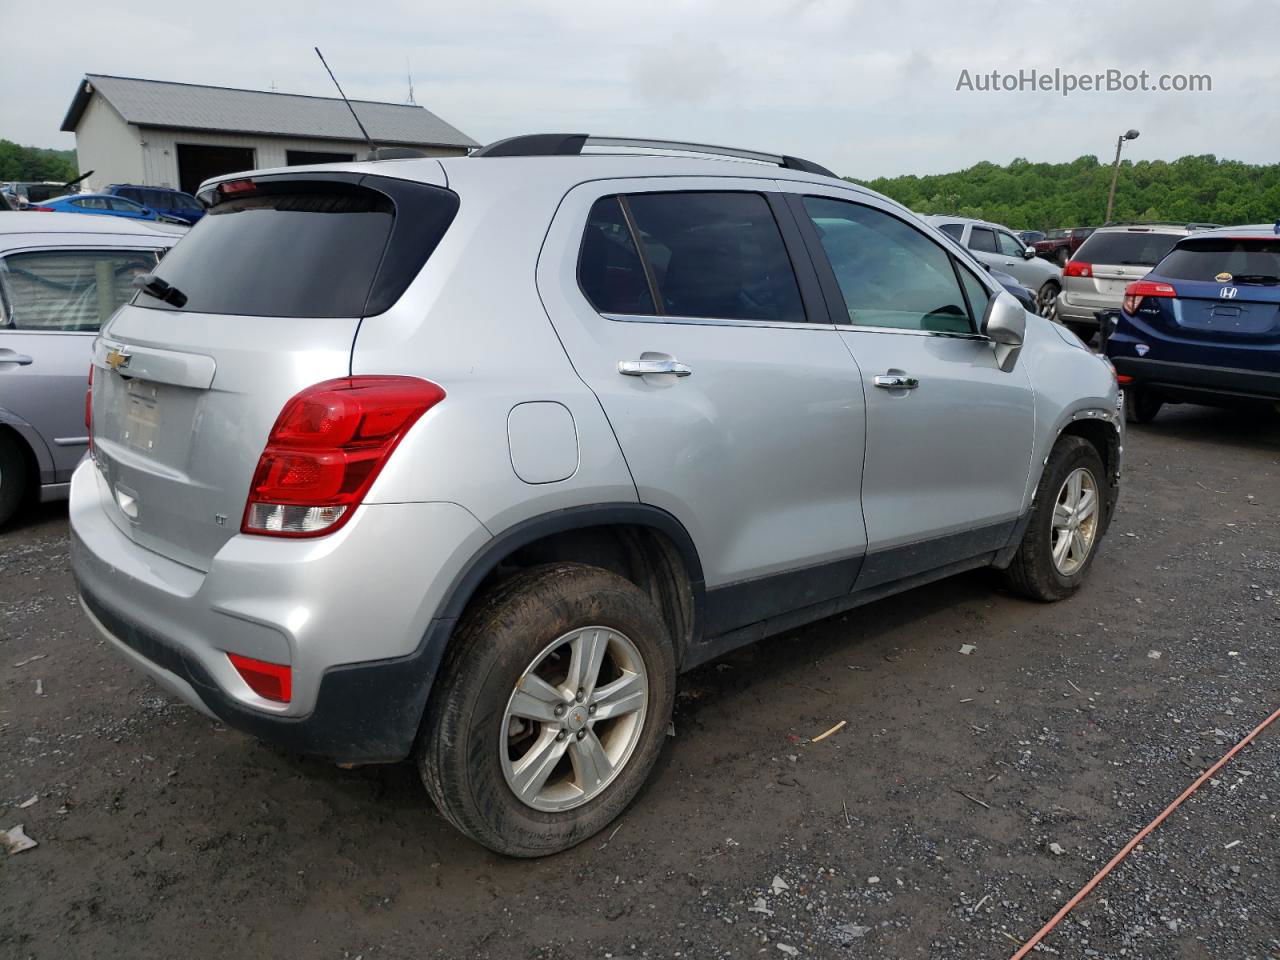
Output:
[[1005, 324], [146, 211], [1028, 253]]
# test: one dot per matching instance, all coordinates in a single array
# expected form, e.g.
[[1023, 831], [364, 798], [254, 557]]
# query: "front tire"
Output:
[[550, 709], [1069, 516], [1047, 299], [13, 479]]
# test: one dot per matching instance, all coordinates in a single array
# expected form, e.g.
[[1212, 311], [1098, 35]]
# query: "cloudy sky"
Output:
[[867, 87]]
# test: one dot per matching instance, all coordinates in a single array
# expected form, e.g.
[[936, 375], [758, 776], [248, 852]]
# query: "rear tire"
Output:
[[1037, 572], [13, 478], [502, 700], [1141, 406]]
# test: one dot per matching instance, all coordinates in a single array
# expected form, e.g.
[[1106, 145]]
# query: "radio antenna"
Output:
[[367, 138]]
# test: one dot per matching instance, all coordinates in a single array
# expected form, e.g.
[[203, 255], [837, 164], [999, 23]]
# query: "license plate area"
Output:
[[142, 405]]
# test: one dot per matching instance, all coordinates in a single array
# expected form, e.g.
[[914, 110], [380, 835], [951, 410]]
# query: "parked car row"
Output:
[[117, 200]]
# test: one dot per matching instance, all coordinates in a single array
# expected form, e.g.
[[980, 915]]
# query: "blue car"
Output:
[[100, 203], [1203, 326], [163, 200]]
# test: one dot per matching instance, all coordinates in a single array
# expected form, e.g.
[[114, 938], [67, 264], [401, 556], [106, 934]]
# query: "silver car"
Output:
[[61, 276], [1096, 276], [1000, 249], [465, 459]]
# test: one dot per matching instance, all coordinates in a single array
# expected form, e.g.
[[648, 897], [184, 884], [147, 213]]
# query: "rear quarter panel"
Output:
[[473, 322]]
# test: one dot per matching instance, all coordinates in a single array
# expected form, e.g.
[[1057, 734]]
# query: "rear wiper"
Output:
[[160, 289], [1262, 278]]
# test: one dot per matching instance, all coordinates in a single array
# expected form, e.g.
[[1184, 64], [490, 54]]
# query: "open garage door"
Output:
[[198, 162]]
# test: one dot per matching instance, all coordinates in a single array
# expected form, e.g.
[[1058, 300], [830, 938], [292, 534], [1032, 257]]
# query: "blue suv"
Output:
[[163, 200], [1204, 325]]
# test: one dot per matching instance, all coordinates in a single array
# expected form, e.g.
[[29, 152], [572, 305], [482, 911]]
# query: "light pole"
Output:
[[1115, 171]]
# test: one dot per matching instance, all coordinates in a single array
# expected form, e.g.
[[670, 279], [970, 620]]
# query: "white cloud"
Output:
[[867, 88]]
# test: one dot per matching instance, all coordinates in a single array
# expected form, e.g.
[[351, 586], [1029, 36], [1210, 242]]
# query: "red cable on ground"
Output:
[[1142, 835]]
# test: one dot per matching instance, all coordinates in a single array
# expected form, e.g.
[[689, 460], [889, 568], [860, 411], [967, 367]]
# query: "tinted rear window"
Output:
[[717, 255], [307, 248], [1126, 249], [1255, 260]]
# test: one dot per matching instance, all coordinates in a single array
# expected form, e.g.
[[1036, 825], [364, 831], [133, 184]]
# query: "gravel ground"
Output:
[[927, 827]]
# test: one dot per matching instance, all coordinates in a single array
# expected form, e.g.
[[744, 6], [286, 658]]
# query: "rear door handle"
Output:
[[8, 356], [643, 368], [896, 381]]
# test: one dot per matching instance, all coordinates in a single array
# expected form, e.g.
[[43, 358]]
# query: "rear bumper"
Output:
[[1191, 380], [1083, 312], [352, 614]]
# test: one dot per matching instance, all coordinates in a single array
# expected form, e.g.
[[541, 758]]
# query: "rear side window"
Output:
[[953, 230], [1143, 249], [1247, 259], [980, 238], [68, 290], [708, 256], [295, 247]]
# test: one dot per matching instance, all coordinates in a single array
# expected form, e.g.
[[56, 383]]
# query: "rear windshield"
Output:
[[1127, 249], [1247, 260], [305, 248]]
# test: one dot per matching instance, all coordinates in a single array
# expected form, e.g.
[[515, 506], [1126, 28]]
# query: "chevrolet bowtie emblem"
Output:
[[117, 359]]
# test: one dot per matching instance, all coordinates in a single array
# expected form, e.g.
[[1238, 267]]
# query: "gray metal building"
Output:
[[165, 134]]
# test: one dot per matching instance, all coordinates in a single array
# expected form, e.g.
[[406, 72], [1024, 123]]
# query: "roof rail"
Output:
[[571, 144], [1190, 225]]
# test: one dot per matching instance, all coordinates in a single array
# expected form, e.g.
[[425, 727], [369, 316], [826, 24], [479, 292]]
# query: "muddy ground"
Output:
[[163, 835]]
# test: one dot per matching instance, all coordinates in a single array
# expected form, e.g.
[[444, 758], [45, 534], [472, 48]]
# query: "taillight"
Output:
[[1077, 268], [271, 681], [43, 209], [1135, 292], [326, 449], [88, 409]]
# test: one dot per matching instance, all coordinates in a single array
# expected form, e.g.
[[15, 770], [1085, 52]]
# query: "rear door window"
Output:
[[306, 248], [1248, 260], [982, 239], [68, 290], [891, 274], [717, 255], [1135, 248]]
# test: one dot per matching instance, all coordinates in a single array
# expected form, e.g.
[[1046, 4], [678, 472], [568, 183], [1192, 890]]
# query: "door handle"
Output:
[[896, 381], [8, 356], [644, 368]]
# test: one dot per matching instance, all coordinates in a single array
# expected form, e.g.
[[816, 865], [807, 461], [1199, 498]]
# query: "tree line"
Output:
[[1041, 196], [34, 163]]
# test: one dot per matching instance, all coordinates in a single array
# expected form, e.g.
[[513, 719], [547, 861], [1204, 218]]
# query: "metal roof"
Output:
[[187, 106]]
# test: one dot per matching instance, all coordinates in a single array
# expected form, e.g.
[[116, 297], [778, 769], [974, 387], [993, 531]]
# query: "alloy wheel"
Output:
[[1047, 301], [1075, 521], [574, 718]]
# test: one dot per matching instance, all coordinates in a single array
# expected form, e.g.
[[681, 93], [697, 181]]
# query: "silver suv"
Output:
[[467, 459], [1097, 274], [1000, 249]]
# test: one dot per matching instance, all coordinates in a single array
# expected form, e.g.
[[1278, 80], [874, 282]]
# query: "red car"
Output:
[[1060, 245]]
